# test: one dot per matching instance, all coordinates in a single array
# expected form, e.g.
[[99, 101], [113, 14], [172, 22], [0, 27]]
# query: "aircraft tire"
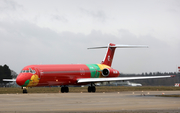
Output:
[[93, 89], [24, 90], [62, 89], [89, 89], [66, 89]]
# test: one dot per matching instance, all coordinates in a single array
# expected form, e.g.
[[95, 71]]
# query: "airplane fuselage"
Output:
[[65, 74]]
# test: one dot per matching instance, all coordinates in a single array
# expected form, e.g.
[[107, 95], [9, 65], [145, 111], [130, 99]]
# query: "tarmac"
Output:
[[118, 102]]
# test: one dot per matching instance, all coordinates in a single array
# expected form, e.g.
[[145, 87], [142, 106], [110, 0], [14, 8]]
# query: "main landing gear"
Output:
[[92, 88], [64, 89]]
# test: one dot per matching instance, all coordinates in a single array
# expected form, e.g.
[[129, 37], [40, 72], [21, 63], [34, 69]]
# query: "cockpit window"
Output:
[[23, 71], [28, 71]]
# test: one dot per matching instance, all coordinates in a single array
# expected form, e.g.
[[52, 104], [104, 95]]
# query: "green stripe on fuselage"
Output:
[[26, 83], [95, 70]]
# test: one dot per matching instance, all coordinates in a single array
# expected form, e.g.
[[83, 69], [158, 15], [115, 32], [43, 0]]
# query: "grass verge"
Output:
[[84, 89]]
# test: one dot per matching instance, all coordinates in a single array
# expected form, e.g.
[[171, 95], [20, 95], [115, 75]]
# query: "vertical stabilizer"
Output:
[[109, 55]]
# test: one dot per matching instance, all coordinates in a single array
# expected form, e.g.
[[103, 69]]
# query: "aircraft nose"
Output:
[[20, 80]]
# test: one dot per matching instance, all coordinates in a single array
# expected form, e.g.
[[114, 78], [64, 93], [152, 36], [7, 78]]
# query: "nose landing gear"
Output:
[[24, 90]]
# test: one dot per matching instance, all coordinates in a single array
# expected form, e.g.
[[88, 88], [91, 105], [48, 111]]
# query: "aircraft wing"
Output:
[[9, 80], [86, 80]]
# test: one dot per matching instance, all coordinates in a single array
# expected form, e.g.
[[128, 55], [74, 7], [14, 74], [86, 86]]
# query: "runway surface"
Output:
[[90, 102]]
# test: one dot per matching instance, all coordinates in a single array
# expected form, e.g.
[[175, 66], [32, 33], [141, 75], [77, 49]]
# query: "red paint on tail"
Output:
[[109, 55]]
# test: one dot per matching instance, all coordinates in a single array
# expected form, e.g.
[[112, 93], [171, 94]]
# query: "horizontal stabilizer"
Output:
[[121, 46]]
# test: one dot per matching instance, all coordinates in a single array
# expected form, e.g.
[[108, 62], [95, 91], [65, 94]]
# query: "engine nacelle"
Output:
[[109, 72]]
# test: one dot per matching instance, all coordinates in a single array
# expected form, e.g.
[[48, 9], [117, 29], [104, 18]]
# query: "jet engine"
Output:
[[109, 72]]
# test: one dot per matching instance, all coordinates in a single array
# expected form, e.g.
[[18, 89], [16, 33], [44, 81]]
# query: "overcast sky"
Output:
[[60, 31]]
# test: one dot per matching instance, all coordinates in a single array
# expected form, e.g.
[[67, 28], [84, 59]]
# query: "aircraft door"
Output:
[[39, 72]]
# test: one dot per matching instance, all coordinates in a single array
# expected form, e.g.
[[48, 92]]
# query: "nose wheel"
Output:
[[92, 88], [24, 90]]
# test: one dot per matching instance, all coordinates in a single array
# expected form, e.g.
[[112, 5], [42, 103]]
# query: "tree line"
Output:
[[5, 72]]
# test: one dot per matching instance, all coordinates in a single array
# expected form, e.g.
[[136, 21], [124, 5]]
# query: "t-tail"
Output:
[[111, 50]]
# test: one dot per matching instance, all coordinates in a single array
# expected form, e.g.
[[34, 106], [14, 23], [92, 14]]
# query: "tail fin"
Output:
[[111, 49]]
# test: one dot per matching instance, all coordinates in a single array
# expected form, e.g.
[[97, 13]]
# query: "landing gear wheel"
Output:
[[91, 89], [67, 89], [64, 89], [24, 90]]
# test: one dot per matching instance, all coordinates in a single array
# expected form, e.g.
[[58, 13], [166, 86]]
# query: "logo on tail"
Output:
[[109, 55]]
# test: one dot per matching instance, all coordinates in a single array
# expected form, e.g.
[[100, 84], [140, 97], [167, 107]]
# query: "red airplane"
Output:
[[75, 74]]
